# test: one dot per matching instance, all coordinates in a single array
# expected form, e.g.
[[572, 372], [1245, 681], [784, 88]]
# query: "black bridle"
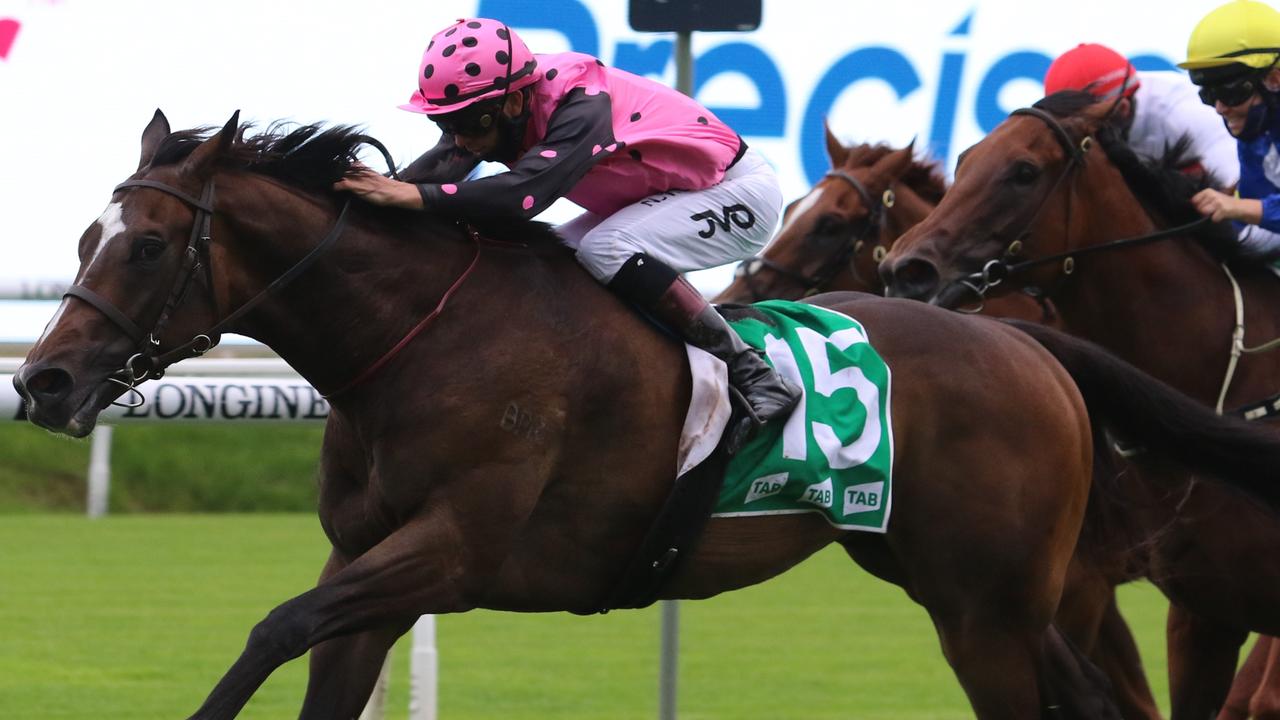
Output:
[[148, 361], [999, 269], [847, 254]]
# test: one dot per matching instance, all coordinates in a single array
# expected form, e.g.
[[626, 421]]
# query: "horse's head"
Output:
[[833, 237], [140, 262], [1012, 196]]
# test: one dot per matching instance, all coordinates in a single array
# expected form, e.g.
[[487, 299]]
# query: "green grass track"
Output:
[[135, 617]]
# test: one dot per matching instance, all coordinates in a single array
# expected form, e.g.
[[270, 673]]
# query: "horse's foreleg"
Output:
[[1202, 663], [344, 670], [402, 577], [1248, 681], [1117, 655], [1265, 703]]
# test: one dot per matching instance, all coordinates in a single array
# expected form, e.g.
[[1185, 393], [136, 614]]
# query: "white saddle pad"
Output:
[[708, 409]]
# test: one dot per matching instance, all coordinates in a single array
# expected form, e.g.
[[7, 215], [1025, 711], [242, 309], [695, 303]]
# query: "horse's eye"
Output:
[[1024, 173], [147, 249], [828, 225]]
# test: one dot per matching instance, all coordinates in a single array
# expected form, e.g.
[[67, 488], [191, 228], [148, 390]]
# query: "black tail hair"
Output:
[[1141, 409]]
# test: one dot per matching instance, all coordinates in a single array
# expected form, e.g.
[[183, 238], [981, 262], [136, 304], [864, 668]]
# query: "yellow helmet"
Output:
[[1242, 31]]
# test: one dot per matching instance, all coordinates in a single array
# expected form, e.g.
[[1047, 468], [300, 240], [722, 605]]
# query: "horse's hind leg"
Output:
[[1089, 617], [1072, 687], [1009, 673]]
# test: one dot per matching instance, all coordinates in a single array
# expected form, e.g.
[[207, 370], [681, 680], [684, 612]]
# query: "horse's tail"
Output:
[[1141, 409]]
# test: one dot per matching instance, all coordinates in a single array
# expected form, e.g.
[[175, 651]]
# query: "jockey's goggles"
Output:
[[1230, 94], [469, 122]]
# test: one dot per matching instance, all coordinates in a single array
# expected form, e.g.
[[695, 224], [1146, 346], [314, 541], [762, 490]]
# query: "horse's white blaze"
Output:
[[805, 205], [53, 321], [112, 224]]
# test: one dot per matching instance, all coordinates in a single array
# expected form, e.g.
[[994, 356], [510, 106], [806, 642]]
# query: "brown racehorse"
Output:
[[835, 236], [834, 239], [1037, 203], [436, 502]]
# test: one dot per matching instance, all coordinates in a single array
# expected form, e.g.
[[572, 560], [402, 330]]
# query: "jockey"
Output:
[[1154, 109], [667, 187], [1232, 55]]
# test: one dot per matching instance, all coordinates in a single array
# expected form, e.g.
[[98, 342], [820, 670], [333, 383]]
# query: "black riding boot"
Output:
[[670, 299]]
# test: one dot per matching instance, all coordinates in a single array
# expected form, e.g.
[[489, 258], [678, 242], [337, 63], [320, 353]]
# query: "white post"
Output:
[[422, 670], [99, 472], [377, 707], [669, 661]]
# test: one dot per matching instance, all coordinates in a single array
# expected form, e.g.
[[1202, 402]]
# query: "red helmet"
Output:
[[1095, 69], [471, 60]]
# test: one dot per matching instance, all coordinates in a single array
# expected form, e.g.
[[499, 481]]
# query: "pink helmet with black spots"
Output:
[[471, 60]]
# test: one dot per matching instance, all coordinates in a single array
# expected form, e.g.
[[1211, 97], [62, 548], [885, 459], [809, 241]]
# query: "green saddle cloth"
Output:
[[834, 455]]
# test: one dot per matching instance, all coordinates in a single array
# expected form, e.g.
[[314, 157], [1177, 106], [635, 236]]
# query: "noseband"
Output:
[[847, 254]]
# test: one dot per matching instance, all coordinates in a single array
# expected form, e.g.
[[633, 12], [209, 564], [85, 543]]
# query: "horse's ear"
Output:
[[199, 164], [835, 150], [157, 130], [897, 162]]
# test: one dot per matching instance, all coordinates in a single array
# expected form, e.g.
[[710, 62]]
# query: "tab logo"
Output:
[[863, 498], [818, 494], [766, 486]]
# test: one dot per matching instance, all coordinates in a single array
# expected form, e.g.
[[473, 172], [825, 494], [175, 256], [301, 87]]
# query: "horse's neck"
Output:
[[1164, 306], [347, 308], [516, 315]]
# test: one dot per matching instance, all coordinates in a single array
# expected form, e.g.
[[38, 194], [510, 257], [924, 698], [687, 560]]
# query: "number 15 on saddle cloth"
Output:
[[834, 455]]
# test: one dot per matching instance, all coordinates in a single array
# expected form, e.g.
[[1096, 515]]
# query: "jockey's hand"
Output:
[[378, 189], [1221, 206]]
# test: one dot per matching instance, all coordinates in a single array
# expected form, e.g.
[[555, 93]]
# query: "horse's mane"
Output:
[[1159, 184], [309, 157], [312, 158], [924, 176]]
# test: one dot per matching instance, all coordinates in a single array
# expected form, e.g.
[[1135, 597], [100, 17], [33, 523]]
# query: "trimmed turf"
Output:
[[137, 616]]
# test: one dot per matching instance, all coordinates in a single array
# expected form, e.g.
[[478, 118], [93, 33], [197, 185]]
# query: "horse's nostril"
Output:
[[915, 278], [48, 385]]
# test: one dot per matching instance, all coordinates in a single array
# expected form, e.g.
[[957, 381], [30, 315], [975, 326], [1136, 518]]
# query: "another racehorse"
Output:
[[834, 238], [1052, 199], [503, 430]]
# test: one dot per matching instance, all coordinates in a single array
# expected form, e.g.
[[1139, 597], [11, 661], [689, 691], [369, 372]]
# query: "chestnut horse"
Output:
[[834, 239], [835, 236], [1053, 199], [435, 502]]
